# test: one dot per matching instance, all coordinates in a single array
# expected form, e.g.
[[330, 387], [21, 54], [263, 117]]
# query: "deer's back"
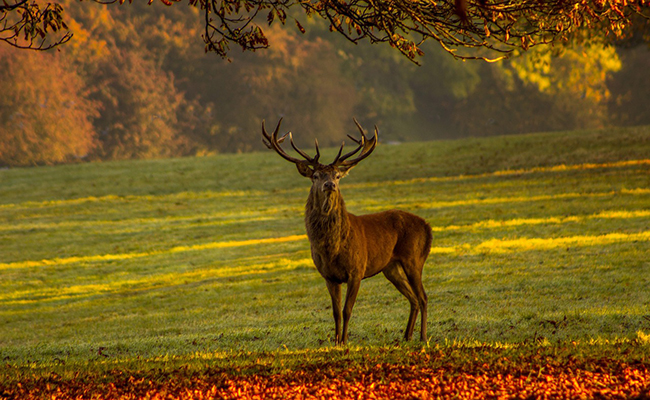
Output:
[[393, 235]]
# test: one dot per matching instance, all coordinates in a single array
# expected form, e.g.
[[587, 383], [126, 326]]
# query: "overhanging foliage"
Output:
[[501, 26]]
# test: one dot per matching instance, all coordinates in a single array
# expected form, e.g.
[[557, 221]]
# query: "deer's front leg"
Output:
[[335, 294], [350, 298]]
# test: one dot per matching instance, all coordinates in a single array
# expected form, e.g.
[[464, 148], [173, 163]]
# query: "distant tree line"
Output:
[[134, 82]]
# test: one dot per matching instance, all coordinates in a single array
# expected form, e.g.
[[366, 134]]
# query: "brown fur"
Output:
[[347, 248]]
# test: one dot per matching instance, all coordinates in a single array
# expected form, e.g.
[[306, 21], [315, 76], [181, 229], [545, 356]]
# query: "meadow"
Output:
[[541, 241]]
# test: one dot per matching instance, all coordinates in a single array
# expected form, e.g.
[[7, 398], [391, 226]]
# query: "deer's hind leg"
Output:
[[394, 272], [414, 276]]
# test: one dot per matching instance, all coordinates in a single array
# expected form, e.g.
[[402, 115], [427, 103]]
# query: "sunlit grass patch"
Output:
[[142, 224], [114, 199], [153, 281], [496, 224], [129, 256], [375, 205], [513, 172], [526, 244]]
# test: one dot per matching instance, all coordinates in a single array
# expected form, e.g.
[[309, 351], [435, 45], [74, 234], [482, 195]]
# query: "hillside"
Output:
[[265, 171]]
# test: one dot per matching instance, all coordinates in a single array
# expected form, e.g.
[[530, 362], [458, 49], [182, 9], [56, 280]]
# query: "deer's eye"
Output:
[[337, 176], [316, 175]]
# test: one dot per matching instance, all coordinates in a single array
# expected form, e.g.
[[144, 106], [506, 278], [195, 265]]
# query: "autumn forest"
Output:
[[134, 82]]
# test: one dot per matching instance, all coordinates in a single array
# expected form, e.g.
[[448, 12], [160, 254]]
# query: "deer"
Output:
[[347, 248]]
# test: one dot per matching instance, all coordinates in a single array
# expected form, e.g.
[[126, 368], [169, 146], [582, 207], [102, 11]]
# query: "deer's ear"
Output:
[[304, 170]]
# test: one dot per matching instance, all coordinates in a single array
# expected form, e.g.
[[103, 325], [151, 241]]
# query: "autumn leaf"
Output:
[[302, 30]]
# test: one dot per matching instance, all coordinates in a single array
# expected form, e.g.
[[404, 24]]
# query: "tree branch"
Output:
[[458, 26]]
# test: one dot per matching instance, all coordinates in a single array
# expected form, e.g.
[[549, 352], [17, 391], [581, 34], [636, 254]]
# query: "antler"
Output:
[[366, 146], [273, 142]]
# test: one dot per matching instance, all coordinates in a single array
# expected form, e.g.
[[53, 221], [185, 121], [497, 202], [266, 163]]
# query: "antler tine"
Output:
[[338, 156], [266, 139], [368, 147], [317, 156], [311, 160], [272, 142], [360, 142], [359, 126], [355, 140], [280, 140]]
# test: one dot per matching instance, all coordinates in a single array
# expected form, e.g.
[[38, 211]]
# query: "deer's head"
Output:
[[325, 178]]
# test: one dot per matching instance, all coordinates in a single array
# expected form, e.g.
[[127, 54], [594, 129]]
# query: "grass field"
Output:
[[540, 241]]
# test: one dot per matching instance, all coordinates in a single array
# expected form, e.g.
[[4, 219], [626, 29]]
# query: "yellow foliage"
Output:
[[578, 70]]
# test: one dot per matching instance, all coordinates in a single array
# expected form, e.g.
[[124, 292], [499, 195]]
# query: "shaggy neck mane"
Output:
[[327, 222]]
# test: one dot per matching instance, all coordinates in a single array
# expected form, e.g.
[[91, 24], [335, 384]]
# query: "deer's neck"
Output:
[[327, 222]]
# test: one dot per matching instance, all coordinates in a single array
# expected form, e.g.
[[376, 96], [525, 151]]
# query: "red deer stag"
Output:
[[347, 248]]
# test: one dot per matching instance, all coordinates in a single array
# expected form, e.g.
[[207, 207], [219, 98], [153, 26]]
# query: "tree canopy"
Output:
[[501, 26]]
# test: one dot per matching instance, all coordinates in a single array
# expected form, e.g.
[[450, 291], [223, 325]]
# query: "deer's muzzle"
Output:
[[329, 187]]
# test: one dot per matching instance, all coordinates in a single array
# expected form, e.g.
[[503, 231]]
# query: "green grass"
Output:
[[123, 262]]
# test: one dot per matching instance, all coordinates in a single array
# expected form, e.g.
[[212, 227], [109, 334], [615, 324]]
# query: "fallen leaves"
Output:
[[423, 376]]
